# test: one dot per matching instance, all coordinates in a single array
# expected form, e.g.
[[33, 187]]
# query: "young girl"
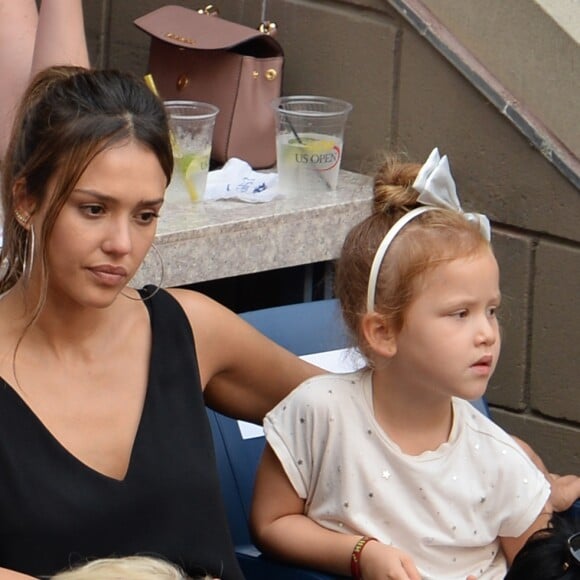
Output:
[[390, 472]]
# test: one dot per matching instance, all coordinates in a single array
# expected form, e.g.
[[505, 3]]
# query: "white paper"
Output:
[[250, 430], [342, 360], [236, 180]]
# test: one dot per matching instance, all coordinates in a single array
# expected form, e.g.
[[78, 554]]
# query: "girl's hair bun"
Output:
[[393, 186]]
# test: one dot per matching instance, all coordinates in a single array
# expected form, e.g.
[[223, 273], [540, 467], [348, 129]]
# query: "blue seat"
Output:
[[573, 514], [303, 329]]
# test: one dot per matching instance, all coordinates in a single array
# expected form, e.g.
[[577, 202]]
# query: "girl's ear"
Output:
[[379, 334]]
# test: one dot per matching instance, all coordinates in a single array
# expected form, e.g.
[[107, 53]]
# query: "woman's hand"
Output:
[[565, 488], [381, 562], [565, 491]]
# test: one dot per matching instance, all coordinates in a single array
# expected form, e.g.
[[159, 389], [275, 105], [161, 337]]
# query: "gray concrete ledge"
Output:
[[221, 239]]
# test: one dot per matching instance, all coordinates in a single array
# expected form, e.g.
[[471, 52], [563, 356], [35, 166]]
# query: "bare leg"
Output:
[[18, 22], [30, 42], [60, 38]]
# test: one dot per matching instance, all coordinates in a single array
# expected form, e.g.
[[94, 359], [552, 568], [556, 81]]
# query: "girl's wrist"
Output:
[[355, 557]]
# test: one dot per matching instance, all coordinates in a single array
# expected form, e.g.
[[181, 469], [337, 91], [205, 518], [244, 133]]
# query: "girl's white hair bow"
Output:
[[436, 188]]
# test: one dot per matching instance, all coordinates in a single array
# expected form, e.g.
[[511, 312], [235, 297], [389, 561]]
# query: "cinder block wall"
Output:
[[524, 57], [408, 97]]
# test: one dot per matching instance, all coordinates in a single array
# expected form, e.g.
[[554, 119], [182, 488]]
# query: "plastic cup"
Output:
[[309, 139], [191, 124]]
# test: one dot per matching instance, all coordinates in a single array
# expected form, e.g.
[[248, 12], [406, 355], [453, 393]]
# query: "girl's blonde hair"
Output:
[[128, 568]]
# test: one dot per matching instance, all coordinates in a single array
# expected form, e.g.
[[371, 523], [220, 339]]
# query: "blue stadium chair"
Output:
[[303, 329], [573, 514]]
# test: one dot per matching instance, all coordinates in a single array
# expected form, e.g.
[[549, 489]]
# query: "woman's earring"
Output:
[[20, 217], [161, 278], [28, 258]]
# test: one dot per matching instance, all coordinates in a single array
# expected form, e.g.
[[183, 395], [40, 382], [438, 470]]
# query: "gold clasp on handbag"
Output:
[[210, 10], [267, 27]]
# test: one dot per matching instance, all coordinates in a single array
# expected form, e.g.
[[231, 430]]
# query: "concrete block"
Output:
[[555, 360], [513, 253], [96, 28], [532, 47], [497, 170], [558, 445]]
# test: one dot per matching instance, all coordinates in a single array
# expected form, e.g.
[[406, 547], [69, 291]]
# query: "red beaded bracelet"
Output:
[[355, 556]]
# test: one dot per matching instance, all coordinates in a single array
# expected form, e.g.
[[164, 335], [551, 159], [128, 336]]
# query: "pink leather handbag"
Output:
[[196, 55]]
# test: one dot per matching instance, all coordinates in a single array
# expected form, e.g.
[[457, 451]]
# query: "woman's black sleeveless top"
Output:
[[55, 511]]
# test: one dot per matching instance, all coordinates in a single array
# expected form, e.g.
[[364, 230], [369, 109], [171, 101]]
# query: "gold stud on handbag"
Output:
[[197, 55], [210, 10]]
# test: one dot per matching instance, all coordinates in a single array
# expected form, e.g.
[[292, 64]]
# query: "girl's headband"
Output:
[[436, 189]]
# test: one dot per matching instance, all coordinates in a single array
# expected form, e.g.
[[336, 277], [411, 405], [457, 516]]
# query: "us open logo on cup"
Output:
[[308, 163], [322, 155]]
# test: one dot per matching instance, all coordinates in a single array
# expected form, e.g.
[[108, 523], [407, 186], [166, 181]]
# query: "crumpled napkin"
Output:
[[238, 181]]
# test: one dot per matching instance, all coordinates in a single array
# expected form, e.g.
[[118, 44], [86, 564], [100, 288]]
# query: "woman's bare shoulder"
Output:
[[199, 307]]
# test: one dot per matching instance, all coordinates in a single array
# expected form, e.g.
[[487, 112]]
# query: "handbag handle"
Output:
[[266, 26]]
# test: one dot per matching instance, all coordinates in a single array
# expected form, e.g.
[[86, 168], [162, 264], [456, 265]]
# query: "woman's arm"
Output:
[[244, 374], [60, 37], [280, 528], [30, 42], [18, 22]]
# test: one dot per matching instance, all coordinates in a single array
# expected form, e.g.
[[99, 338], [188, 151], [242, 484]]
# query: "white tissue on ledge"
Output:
[[238, 181]]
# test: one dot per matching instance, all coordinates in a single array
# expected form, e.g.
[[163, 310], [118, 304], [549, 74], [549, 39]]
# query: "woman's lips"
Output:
[[109, 275]]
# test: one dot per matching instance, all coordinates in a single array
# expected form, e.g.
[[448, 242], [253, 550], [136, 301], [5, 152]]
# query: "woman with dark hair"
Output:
[[105, 446]]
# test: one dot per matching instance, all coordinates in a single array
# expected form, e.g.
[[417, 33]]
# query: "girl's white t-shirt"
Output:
[[446, 508]]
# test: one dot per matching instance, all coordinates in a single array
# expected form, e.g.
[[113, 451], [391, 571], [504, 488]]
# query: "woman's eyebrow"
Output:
[[96, 194], [109, 198]]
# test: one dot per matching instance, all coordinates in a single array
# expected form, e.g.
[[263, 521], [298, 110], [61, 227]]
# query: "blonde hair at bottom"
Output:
[[128, 568]]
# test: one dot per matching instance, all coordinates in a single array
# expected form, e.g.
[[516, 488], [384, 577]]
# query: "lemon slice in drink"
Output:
[[193, 166], [313, 145], [177, 153]]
